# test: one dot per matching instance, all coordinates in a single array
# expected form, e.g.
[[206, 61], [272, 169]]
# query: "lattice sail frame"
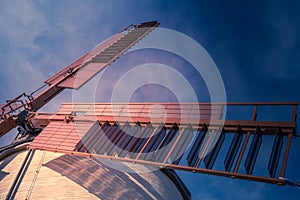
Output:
[[193, 145], [189, 139], [74, 75]]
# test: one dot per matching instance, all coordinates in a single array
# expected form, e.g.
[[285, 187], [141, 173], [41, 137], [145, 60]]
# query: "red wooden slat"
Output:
[[58, 135], [135, 110], [84, 58], [83, 75]]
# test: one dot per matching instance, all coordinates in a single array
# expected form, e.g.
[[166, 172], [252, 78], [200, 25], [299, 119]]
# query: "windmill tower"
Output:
[[125, 150]]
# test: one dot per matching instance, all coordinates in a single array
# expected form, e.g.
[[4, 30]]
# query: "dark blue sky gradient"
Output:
[[255, 44], [136, 58]]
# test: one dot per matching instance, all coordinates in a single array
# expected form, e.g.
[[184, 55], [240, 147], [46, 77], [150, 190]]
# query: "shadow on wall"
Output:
[[103, 182]]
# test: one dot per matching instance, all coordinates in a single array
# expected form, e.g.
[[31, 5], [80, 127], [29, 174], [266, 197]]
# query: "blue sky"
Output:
[[255, 44]]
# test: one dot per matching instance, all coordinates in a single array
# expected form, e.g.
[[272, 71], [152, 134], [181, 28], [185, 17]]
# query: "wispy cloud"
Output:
[[255, 46]]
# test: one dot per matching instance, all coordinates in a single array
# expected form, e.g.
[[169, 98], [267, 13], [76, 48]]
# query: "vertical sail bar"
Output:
[[138, 142], [193, 154], [238, 162], [122, 143], [180, 146], [112, 131], [117, 142], [150, 140], [294, 113], [286, 154], [233, 149], [101, 138], [154, 143], [275, 154], [178, 140], [288, 144], [253, 151], [89, 137], [210, 136], [132, 136], [167, 143], [211, 156], [114, 138]]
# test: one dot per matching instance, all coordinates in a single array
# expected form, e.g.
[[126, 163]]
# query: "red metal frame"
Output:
[[139, 112], [246, 127], [67, 77]]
